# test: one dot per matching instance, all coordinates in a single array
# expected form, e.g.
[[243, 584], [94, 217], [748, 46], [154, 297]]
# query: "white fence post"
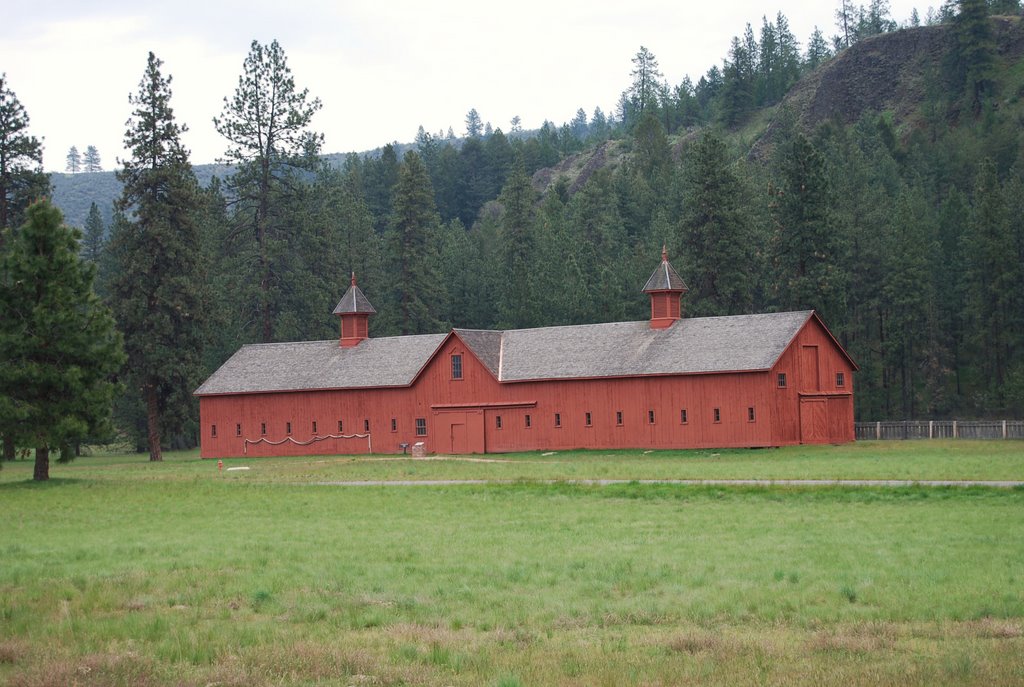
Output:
[[954, 429], [878, 431], [931, 429], [1004, 429]]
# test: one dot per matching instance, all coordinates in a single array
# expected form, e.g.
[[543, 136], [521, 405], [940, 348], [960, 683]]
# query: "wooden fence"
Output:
[[940, 429]]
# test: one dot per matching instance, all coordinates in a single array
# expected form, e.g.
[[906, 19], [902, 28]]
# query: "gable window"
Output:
[[497, 422], [366, 426], [263, 428], [718, 414], [456, 366], [782, 380], [528, 422], [558, 419], [287, 428], [840, 380], [750, 414], [587, 420], [314, 426], [682, 416], [618, 418], [650, 417], [341, 427], [394, 425], [421, 426], [238, 430], [213, 431]]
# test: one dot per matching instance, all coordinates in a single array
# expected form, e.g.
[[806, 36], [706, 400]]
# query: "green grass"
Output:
[[921, 460], [119, 572]]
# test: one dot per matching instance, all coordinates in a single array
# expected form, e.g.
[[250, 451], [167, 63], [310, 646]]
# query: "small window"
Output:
[[618, 418], [529, 422], [341, 427], [394, 425], [456, 367], [840, 380], [558, 419], [782, 380], [421, 426], [650, 417], [497, 422], [587, 420], [682, 416], [287, 428], [750, 414], [366, 426], [718, 414], [238, 430], [263, 428], [314, 426], [213, 431]]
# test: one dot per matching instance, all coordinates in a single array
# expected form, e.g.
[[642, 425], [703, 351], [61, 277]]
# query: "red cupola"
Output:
[[354, 310], [666, 288]]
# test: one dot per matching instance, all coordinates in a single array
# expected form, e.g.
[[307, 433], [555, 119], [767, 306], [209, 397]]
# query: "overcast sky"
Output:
[[381, 67]]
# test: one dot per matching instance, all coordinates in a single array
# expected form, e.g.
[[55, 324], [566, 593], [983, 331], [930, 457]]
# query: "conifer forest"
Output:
[[876, 176]]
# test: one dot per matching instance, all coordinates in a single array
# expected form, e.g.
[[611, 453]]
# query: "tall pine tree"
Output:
[[157, 287]]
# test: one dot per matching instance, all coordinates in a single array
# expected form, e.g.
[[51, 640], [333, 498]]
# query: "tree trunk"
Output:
[[153, 424], [10, 452], [42, 469]]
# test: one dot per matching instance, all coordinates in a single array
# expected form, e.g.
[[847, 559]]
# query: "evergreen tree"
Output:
[[157, 288], [817, 50], [716, 247], [643, 90], [974, 56], [21, 160], [808, 261], [474, 125], [515, 306], [412, 253], [58, 344], [266, 124], [74, 161], [95, 233], [91, 160]]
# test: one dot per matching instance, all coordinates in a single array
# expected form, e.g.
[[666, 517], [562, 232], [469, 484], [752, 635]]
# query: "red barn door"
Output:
[[460, 431], [813, 421]]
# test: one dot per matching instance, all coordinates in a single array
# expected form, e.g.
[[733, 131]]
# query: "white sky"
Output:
[[381, 67]]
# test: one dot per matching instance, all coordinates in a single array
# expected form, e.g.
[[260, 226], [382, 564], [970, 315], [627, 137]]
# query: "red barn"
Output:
[[668, 382]]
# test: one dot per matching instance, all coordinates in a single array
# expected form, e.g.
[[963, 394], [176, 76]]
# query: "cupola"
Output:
[[666, 288], [354, 310]]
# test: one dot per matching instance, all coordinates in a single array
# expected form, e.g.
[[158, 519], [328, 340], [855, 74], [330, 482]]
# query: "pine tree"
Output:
[[59, 345], [474, 126], [716, 254], [157, 290], [21, 160], [643, 90], [412, 252], [91, 160], [267, 125], [95, 231], [515, 305], [808, 261], [974, 55], [74, 161]]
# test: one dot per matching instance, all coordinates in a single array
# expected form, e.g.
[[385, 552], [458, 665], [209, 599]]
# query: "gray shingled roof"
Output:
[[389, 361], [665, 278], [696, 345], [354, 302]]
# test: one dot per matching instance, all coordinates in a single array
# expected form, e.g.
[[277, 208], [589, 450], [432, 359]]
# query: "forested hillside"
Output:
[[877, 178]]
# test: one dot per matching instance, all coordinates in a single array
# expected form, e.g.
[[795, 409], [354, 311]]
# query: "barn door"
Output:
[[813, 421], [459, 441]]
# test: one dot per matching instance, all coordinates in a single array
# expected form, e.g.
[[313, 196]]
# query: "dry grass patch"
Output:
[[91, 670], [13, 650]]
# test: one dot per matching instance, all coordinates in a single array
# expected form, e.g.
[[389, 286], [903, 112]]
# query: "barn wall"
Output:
[[462, 414], [807, 378]]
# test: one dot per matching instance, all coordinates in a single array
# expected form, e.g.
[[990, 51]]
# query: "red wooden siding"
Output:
[[461, 414]]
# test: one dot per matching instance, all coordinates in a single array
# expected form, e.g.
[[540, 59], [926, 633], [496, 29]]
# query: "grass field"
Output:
[[120, 572]]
